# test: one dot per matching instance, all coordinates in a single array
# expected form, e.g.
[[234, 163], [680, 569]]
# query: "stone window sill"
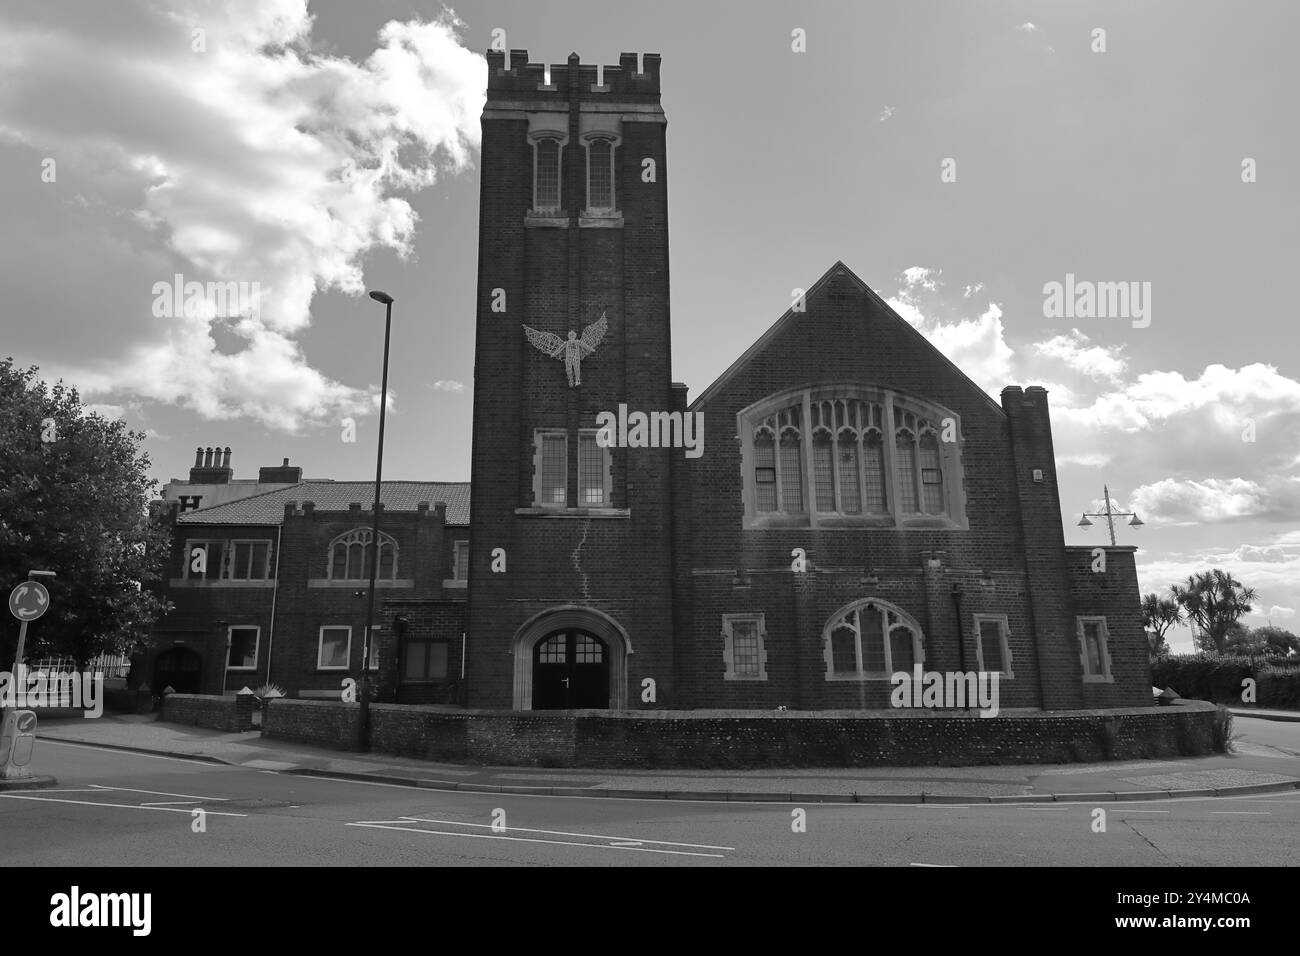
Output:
[[574, 512], [534, 220], [362, 583], [599, 220]]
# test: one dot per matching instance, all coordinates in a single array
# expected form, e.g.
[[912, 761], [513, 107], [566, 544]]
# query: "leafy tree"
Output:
[[74, 495], [1159, 614], [1278, 638], [1213, 600]]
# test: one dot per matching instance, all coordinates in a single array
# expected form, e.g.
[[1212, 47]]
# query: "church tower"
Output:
[[570, 586]]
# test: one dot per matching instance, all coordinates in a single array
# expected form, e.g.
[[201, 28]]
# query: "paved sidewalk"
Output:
[[1262, 769]]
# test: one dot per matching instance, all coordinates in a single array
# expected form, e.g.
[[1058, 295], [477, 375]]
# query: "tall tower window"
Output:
[[600, 174], [546, 175]]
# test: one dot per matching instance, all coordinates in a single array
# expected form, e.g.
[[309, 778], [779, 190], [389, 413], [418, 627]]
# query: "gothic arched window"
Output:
[[871, 639], [851, 456], [350, 555]]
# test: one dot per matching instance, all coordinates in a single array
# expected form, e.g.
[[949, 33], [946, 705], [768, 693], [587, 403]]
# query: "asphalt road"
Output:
[[115, 808]]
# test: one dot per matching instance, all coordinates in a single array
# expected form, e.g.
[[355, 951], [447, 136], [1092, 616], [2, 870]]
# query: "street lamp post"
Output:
[[375, 550], [1110, 514]]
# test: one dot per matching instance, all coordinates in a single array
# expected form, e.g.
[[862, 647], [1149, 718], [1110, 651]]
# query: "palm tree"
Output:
[[1214, 601], [1159, 614]]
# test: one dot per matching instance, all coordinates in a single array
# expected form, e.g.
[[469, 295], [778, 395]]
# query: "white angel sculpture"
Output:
[[573, 349]]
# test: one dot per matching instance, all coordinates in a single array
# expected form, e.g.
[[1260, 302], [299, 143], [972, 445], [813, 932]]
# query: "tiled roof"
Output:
[[268, 507]]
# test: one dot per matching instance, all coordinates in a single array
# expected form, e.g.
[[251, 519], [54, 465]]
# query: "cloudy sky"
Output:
[[958, 156]]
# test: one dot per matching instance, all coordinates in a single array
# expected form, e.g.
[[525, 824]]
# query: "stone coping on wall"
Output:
[[904, 713]]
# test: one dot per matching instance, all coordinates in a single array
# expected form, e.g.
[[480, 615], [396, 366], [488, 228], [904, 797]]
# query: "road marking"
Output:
[[117, 806], [1142, 811], [1253, 813], [166, 803], [945, 866], [592, 836], [627, 843], [158, 793], [490, 836]]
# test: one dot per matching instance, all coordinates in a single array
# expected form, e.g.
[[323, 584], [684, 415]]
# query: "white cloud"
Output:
[[1278, 611], [1027, 27], [447, 385], [1095, 361], [887, 112], [260, 160], [1212, 499]]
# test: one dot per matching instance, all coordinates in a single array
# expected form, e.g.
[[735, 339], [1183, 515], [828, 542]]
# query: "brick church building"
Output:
[[841, 504]]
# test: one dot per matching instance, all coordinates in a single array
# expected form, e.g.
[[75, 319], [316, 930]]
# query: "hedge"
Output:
[[1220, 679]]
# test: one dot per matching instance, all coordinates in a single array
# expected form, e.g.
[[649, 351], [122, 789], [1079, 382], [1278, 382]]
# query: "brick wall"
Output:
[[231, 714], [749, 739]]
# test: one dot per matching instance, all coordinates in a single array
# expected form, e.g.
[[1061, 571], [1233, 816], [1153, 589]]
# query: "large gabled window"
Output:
[[850, 456]]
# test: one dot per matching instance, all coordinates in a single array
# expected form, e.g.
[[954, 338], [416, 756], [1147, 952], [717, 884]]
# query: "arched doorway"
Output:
[[570, 671], [580, 645], [178, 668]]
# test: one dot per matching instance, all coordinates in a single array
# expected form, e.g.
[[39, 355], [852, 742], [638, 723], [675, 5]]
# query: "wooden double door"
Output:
[[570, 671]]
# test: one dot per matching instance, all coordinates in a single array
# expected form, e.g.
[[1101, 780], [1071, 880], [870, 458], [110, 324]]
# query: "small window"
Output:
[[551, 479], [460, 561], [248, 561], [593, 472], [742, 646], [334, 648], [993, 649], [243, 648], [203, 560], [425, 660], [1093, 651]]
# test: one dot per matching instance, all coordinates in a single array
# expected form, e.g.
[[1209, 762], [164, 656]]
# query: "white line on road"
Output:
[[945, 866], [118, 806], [1250, 813], [592, 836], [157, 793], [166, 803], [490, 836], [1142, 811]]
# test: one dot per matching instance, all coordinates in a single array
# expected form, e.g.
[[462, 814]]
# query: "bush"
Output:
[[1220, 679]]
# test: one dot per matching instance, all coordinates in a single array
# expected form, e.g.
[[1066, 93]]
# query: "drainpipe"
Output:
[[961, 642], [275, 591]]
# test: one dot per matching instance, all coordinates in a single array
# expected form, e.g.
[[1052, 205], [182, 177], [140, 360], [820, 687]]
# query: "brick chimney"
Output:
[[281, 475], [211, 466]]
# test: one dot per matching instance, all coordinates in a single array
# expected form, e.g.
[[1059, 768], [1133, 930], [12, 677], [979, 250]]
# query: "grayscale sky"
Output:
[[320, 150]]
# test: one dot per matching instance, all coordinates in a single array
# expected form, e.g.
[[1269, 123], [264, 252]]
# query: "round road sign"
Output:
[[29, 601]]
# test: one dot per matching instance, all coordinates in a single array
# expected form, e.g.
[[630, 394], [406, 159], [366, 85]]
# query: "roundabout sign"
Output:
[[28, 601]]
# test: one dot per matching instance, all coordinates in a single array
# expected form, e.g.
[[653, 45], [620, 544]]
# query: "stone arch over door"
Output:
[[570, 617]]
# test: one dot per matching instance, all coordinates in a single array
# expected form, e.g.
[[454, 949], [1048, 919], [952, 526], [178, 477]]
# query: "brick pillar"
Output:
[[806, 641], [1030, 430]]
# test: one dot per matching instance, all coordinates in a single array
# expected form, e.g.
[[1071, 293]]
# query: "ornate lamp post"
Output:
[[1110, 514]]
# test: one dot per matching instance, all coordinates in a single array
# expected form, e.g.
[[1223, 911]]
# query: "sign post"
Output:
[[27, 602]]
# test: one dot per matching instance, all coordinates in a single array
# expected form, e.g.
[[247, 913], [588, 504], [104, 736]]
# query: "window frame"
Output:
[[425, 642], [539, 444], [1103, 648], [320, 647], [885, 608], [1004, 638], [188, 558], [230, 646], [894, 407], [729, 622], [228, 558], [615, 141], [341, 540], [588, 436], [460, 559], [561, 140]]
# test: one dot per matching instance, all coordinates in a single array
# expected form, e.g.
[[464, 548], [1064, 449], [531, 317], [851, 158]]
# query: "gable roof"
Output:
[[401, 496], [839, 268]]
